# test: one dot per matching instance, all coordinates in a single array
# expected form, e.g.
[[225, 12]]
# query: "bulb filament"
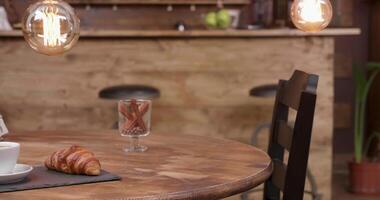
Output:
[[51, 27], [311, 11]]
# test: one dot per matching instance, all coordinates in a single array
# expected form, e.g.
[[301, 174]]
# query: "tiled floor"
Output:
[[339, 184], [340, 191], [340, 181]]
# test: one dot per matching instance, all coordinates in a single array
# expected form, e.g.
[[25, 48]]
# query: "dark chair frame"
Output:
[[313, 192], [298, 93]]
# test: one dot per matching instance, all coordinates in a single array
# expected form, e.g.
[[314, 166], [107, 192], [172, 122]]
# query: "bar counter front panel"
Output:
[[204, 84]]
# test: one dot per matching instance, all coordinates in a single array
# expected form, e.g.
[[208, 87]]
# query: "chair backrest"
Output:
[[298, 93]]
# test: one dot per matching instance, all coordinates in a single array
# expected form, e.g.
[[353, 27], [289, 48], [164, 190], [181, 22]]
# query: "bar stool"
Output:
[[270, 91], [129, 91], [262, 91], [121, 92]]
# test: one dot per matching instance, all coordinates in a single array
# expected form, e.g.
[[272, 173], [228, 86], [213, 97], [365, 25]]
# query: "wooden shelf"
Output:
[[202, 33], [158, 2]]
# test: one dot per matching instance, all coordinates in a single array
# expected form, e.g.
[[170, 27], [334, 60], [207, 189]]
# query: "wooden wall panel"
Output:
[[213, 2], [343, 115], [204, 85], [343, 13], [133, 17], [374, 97], [343, 65]]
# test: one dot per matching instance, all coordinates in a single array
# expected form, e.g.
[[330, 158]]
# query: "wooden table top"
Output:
[[174, 167]]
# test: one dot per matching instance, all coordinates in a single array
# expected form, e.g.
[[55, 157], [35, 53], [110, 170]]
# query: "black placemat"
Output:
[[41, 177]]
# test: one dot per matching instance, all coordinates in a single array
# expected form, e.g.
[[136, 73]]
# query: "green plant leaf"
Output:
[[373, 136], [360, 82], [359, 87], [362, 89], [373, 66]]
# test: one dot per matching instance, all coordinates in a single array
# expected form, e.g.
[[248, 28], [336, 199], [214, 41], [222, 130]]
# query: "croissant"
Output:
[[74, 160]]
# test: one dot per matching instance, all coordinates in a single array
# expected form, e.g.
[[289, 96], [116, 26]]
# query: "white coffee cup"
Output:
[[9, 152]]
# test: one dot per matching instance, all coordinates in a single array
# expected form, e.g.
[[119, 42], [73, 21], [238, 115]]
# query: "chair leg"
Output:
[[313, 185], [257, 131], [244, 196], [115, 125]]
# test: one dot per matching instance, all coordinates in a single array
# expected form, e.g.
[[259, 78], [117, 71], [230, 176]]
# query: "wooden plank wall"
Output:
[[204, 85], [135, 16], [349, 50], [188, 2], [374, 97]]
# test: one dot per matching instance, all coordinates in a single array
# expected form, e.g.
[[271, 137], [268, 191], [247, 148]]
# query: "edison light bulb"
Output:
[[311, 15], [50, 27]]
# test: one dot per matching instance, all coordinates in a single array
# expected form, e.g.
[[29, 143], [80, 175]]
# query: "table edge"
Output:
[[217, 191]]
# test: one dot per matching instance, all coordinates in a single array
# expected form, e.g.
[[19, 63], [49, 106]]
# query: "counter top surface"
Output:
[[202, 33]]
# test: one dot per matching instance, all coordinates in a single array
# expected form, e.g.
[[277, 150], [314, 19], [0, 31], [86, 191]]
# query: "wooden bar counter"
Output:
[[204, 81]]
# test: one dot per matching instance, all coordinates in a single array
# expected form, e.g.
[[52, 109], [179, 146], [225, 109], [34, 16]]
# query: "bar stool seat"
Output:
[[129, 91], [264, 91]]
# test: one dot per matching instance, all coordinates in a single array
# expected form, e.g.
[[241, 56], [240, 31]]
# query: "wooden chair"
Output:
[[298, 93], [265, 91]]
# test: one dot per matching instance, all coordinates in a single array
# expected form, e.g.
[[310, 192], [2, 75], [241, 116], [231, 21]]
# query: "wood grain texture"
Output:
[[343, 65], [204, 84], [343, 13], [158, 2], [202, 33], [174, 167], [373, 98], [141, 15], [343, 115]]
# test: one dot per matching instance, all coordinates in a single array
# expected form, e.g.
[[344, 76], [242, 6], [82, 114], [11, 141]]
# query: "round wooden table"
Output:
[[174, 167]]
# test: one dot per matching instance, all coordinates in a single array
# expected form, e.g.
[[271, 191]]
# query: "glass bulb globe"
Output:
[[50, 27], [311, 15]]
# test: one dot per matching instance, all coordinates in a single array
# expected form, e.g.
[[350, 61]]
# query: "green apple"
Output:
[[211, 20], [223, 19]]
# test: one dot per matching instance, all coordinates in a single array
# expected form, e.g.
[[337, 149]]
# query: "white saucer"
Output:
[[20, 172]]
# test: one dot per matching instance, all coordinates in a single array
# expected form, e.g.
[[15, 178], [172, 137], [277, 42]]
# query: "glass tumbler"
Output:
[[134, 122]]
